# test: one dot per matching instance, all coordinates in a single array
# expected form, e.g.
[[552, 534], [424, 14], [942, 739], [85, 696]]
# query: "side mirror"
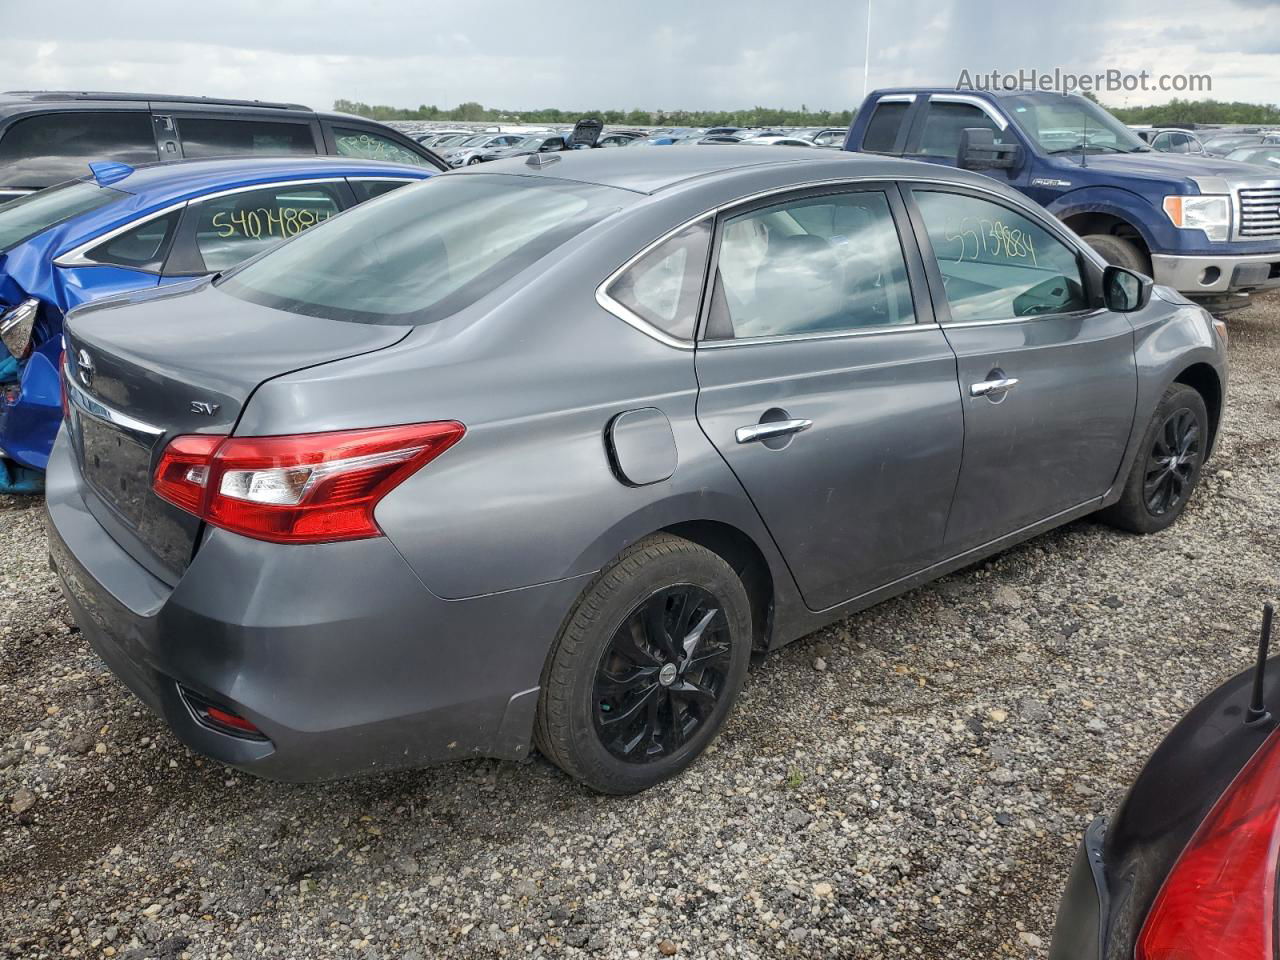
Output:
[[979, 151], [1125, 291]]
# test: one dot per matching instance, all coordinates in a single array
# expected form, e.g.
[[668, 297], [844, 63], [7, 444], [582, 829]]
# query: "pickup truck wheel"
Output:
[[1167, 468], [1120, 252], [647, 667]]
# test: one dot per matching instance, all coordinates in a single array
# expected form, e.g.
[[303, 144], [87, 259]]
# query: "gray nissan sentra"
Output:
[[539, 455]]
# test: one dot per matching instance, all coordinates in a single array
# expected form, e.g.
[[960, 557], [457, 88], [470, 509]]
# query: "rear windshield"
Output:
[[424, 252], [22, 219]]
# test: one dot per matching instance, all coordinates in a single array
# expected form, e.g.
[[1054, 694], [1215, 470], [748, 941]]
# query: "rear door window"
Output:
[[886, 123], [220, 137], [368, 189], [47, 149], [228, 230], [369, 145], [809, 266]]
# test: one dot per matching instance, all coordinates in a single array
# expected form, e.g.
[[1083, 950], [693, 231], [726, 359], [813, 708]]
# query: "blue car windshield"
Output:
[[22, 219], [424, 252]]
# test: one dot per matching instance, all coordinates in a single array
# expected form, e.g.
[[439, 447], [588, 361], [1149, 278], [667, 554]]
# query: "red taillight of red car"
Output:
[[1219, 901], [308, 488]]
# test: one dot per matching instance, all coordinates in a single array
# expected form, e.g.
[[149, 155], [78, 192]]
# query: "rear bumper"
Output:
[[1217, 275], [1081, 927], [336, 652]]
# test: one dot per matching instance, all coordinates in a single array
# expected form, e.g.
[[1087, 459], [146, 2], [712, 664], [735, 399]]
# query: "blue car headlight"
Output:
[[16, 326]]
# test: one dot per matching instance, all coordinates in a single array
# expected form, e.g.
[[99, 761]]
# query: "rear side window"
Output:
[[219, 137], [142, 248], [664, 286], [943, 124], [368, 145], [229, 230], [368, 189], [439, 248], [42, 150], [810, 266], [27, 216], [882, 129]]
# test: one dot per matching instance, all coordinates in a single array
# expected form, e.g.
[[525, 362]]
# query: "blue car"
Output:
[[121, 230]]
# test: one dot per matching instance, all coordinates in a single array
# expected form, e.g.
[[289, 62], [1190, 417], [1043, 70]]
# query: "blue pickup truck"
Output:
[[1208, 228]]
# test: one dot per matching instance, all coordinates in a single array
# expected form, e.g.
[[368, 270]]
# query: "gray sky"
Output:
[[694, 54]]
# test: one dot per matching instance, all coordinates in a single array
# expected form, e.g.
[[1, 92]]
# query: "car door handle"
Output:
[[766, 431], [988, 387]]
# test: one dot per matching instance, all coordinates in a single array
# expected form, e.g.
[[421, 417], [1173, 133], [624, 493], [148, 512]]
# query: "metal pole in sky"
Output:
[[866, 58]]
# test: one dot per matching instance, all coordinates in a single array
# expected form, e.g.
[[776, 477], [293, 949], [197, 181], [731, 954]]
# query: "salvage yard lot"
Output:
[[909, 782]]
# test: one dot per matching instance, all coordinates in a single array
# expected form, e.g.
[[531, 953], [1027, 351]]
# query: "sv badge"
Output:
[[201, 407]]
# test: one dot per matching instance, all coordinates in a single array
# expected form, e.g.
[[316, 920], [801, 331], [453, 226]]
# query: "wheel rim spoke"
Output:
[[660, 676], [1172, 463]]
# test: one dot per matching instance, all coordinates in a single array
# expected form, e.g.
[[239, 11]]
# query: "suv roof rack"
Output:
[[53, 95]]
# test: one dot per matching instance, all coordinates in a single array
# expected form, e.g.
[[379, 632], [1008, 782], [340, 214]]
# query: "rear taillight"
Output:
[[309, 488], [1218, 902]]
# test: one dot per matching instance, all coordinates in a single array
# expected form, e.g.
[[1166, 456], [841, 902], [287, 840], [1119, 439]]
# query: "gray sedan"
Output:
[[539, 453]]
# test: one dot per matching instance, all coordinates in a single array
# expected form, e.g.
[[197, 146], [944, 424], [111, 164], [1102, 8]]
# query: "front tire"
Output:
[[1120, 252], [473, 161], [647, 667], [1168, 465]]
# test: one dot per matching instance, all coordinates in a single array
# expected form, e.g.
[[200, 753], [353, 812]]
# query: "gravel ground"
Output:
[[910, 782]]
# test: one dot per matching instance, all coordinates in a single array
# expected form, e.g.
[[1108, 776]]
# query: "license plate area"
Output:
[[117, 465]]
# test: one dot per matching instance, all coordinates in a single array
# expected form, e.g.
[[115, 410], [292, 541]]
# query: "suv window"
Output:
[[219, 137], [230, 229], [943, 123], [142, 248], [819, 264], [367, 145], [997, 264], [663, 287], [52, 147], [882, 129]]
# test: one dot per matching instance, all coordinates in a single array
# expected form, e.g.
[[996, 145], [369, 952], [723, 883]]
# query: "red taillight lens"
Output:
[[1218, 902], [308, 488], [182, 476], [227, 719]]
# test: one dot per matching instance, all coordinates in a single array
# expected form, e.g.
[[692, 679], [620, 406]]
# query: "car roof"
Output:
[[183, 178], [82, 96], [650, 171]]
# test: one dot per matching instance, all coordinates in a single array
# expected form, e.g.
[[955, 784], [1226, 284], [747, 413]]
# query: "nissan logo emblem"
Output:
[[85, 364]]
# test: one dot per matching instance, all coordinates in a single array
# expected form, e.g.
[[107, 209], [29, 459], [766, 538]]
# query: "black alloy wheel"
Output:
[[661, 674], [1172, 462]]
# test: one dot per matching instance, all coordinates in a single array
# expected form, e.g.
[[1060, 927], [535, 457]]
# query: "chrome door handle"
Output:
[[766, 431], [988, 387]]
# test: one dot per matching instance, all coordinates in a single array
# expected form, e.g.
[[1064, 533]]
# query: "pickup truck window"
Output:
[[943, 123], [884, 125], [996, 264], [1064, 124]]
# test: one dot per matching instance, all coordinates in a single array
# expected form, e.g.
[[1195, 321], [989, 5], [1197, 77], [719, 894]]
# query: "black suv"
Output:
[[48, 137]]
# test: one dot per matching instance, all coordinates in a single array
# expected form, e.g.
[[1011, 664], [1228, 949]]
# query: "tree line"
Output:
[[1166, 114]]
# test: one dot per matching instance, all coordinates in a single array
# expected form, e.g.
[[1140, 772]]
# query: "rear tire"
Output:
[[647, 667], [1168, 465], [1120, 252]]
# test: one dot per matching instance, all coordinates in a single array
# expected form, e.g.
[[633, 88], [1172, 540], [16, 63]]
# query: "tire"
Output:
[[597, 726], [1120, 252], [473, 161], [1143, 506]]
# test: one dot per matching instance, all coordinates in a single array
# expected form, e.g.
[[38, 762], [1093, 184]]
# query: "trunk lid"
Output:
[[146, 368]]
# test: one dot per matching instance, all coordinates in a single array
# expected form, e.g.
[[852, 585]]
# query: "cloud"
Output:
[[662, 54]]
